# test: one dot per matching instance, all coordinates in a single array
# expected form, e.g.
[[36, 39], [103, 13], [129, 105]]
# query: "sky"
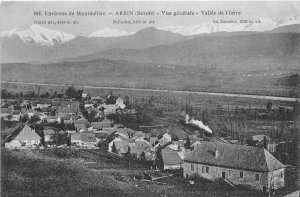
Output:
[[20, 14]]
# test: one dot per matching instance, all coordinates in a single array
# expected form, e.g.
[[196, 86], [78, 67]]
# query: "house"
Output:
[[6, 111], [62, 111], [112, 104], [142, 150], [119, 146], [84, 94], [30, 112], [171, 160], [67, 118], [105, 123], [241, 165], [81, 124], [16, 115], [44, 104], [42, 116], [48, 133], [26, 138], [84, 140], [52, 119], [55, 104]]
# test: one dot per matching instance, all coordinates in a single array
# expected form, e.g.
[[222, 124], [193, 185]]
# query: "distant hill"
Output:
[[237, 52], [288, 28]]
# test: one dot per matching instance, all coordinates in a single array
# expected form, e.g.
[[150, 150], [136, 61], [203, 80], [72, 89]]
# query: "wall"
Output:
[[233, 175], [275, 179]]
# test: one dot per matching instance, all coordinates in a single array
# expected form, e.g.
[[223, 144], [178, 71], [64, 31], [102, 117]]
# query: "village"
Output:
[[76, 120]]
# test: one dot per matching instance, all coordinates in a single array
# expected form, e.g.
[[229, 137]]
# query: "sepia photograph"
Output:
[[150, 98]]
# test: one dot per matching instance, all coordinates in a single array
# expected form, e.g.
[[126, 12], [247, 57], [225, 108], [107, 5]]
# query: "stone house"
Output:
[[241, 165]]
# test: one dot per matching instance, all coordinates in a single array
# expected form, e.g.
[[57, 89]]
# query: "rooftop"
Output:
[[234, 156]]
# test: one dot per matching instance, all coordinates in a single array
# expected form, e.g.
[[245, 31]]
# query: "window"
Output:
[[223, 175], [207, 169], [257, 177], [281, 174], [229, 172], [192, 167], [241, 174], [217, 169], [203, 169]]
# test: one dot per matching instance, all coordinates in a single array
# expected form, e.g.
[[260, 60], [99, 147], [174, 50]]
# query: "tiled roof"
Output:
[[81, 121], [170, 157], [85, 137], [27, 134], [67, 116], [104, 123], [234, 156], [49, 132], [67, 109]]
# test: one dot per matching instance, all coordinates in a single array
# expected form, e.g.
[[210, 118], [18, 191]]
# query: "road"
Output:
[[170, 91]]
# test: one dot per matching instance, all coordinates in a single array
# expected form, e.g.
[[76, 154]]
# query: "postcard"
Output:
[[149, 98]]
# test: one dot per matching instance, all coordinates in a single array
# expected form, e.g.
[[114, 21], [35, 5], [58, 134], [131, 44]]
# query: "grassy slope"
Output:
[[38, 173], [67, 173]]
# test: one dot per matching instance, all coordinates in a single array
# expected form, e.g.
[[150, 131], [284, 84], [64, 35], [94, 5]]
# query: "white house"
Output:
[[27, 138]]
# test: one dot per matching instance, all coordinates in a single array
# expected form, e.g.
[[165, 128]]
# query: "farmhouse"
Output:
[[171, 159], [113, 103], [105, 123], [84, 140], [27, 138], [240, 165]]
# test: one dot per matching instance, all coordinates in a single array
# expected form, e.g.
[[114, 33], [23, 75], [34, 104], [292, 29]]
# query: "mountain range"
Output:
[[227, 45]]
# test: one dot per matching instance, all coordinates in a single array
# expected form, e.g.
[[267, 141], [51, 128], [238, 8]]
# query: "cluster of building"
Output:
[[212, 159]]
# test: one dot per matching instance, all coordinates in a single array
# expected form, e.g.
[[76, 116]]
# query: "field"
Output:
[[136, 75]]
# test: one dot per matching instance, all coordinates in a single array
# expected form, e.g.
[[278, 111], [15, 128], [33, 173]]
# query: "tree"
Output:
[[265, 143], [126, 101], [54, 94], [71, 92], [187, 145], [143, 156], [25, 118], [46, 95], [269, 106], [4, 94], [35, 118]]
